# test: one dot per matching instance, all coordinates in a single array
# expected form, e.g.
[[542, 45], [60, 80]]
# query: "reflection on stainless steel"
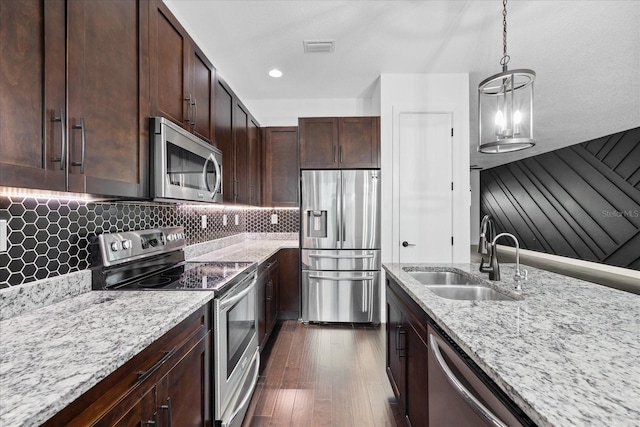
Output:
[[468, 292], [340, 241], [441, 277]]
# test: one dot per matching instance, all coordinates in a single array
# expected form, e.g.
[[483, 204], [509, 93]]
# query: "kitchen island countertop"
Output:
[[566, 353]]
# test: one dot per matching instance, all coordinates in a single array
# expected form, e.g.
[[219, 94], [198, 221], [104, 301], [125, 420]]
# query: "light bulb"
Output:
[[517, 117], [275, 73], [500, 124]]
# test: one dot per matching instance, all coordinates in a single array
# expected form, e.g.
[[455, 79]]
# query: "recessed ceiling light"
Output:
[[275, 73]]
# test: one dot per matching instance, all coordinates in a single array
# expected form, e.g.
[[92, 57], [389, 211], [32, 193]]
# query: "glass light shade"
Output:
[[505, 112]]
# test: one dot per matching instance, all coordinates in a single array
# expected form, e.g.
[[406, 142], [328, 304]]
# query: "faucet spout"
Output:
[[519, 275]]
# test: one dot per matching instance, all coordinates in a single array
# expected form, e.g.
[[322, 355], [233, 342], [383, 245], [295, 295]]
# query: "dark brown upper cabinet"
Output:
[[280, 167], [339, 142], [237, 134], [74, 89], [182, 78], [255, 162]]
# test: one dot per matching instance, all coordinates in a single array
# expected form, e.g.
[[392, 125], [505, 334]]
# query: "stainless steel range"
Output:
[[154, 260]]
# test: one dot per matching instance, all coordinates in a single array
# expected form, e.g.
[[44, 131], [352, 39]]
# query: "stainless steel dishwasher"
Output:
[[460, 394]]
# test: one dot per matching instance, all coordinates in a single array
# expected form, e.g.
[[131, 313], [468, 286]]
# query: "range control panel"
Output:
[[117, 248]]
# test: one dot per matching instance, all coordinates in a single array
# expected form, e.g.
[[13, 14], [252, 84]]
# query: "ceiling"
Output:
[[586, 54]]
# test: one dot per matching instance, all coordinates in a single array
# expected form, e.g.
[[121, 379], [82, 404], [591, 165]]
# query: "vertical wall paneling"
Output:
[[581, 201]]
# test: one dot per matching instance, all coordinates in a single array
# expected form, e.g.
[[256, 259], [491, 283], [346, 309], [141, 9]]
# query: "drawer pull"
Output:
[[167, 354]]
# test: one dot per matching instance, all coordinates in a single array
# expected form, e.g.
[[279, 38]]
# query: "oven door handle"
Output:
[[245, 400], [224, 303]]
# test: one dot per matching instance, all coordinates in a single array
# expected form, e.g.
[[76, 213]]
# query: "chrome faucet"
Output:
[[520, 275]]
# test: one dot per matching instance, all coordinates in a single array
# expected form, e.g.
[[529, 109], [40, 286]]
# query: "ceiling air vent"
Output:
[[319, 46]]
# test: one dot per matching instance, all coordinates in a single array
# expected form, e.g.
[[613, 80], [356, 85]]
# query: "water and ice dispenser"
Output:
[[316, 223]]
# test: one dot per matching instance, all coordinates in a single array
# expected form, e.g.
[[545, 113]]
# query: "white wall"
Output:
[[285, 112], [435, 93], [474, 183]]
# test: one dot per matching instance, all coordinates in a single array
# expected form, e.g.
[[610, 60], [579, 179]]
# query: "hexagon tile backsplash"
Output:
[[49, 237]]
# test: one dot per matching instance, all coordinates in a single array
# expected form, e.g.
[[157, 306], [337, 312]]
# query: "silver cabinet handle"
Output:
[[83, 133], [338, 278], [154, 421], [195, 113], [341, 159], [487, 415], [189, 109], [168, 408], [340, 256], [63, 143], [167, 354], [405, 244]]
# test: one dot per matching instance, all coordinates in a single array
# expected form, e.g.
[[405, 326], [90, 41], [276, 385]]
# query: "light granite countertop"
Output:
[[567, 352], [52, 354]]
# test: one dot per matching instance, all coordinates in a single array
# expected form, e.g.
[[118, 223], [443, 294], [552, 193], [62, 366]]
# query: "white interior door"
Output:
[[424, 217]]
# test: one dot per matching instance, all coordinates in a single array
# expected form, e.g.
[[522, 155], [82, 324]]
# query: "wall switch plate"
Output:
[[224, 219], [3, 235], [274, 218], [204, 221], [237, 220]]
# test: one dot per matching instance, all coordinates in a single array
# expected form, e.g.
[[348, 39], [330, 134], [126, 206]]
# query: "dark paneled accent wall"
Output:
[[49, 237], [581, 201]]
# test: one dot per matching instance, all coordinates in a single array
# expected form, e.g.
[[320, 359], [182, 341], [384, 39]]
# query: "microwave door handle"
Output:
[[204, 173], [218, 167], [212, 159]]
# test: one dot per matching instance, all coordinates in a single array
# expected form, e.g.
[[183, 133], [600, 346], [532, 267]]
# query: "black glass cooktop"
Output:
[[194, 276]]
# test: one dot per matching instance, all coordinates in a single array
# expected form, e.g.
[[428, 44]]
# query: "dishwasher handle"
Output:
[[473, 401]]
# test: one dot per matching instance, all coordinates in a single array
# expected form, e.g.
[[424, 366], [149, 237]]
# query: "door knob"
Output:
[[405, 244]]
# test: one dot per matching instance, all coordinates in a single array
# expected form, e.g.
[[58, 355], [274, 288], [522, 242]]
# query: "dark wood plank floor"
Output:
[[319, 375]]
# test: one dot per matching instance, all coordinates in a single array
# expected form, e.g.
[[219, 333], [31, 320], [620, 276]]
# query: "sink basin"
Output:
[[452, 285], [441, 278], [468, 292]]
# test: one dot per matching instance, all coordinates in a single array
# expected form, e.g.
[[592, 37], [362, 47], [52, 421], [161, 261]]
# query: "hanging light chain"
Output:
[[505, 58]]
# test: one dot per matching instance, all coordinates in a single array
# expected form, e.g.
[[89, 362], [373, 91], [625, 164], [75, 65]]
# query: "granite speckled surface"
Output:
[[50, 356], [16, 300], [247, 250], [567, 352]]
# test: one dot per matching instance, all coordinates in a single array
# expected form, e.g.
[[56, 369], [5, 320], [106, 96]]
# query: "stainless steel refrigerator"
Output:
[[340, 246]]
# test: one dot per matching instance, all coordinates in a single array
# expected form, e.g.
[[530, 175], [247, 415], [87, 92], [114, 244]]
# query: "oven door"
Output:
[[235, 353], [184, 167]]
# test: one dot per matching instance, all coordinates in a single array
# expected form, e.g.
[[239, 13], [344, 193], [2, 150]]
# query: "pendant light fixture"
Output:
[[505, 106]]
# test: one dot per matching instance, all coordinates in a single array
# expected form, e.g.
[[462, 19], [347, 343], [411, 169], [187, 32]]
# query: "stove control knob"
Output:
[[115, 246], [126, 244]]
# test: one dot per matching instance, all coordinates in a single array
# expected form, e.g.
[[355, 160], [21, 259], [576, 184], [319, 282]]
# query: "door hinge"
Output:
[[451, 131], [451, 240]]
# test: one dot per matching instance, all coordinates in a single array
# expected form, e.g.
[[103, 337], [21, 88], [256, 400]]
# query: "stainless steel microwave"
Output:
[[183, 167]]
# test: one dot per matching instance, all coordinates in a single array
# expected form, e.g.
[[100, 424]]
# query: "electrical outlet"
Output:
[[237, 220], [274, 218], [3, 235], [204, 221], [224, 219]]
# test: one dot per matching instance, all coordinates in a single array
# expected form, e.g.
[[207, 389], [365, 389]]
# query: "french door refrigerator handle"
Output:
[[338, 278], [341, 256], [482, 410]]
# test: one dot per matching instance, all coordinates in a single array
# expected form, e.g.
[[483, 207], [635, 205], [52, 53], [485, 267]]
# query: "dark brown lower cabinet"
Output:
[[267, 288], [168, 383], [407, 353], [289, 284]]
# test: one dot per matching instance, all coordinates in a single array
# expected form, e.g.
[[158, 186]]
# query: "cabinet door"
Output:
[[318, 143], [261, 305], [272, 299], [255, 163], [396, 351], [224, 136], [289, 284], [202, 80], [417, 352], [106, 136], [32, 94], [168, 54], [241, 154], [281, 167], [183, 394], [143, 413], [359, 142]]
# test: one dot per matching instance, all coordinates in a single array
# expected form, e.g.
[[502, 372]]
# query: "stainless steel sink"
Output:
[[441, 278], [468, 292], [453, 285]]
